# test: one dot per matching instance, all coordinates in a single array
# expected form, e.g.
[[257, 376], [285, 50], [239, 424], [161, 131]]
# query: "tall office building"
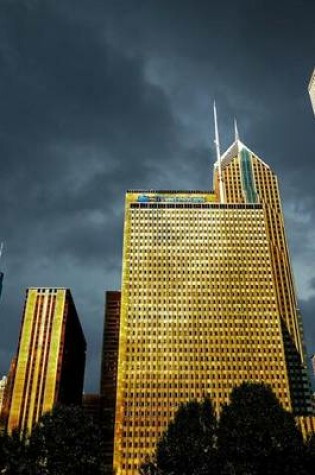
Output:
[[50, 359], [199, 312], [109, 374], [247, 179], [208, 301], [311, 90]]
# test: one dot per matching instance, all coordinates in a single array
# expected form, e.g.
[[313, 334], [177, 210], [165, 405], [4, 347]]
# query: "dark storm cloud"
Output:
[[98, 97]]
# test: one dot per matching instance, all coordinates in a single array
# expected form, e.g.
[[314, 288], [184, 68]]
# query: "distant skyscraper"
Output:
[[313, 364], [3, 383], [7, 396], [311, 90], [247, 179], [50, 358], [109, 373], [207, 302], [1, 282]]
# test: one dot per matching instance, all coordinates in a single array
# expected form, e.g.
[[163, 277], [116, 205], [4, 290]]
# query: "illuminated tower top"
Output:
[[311, 90], [218, 152], [234, 172]]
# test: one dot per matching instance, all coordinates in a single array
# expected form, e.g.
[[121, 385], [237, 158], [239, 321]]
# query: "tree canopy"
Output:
[[187, 447], [13, 456], [64, 441], [254, 435]]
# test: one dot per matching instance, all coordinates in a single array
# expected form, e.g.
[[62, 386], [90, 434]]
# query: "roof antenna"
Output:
[[236, 134], [1, 249], [217, 146]]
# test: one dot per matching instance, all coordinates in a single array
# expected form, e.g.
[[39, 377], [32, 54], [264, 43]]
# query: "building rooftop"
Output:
[[172, 191]]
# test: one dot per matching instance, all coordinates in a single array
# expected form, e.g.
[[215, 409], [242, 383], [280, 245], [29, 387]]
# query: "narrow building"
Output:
[[109, 374], [50, 358]]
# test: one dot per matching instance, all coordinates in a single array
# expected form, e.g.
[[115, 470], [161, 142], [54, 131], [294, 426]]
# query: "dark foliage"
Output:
[[14, 456], [256, 436], [187, 447], [310, 451], [64, 442]]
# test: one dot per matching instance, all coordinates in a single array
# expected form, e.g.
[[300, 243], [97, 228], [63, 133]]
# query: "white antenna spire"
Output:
[[236, 134], [1, 249], [217, 146]]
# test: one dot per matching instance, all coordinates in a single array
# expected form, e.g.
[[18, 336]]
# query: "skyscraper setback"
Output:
[[207, 302], [50, 360]]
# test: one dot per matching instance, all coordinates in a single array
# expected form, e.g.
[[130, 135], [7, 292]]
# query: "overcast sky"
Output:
[[99, 96]]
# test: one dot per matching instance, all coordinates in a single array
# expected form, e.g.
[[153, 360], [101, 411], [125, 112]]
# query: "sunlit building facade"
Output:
[[50, 359], [199, 311], [248, 179]]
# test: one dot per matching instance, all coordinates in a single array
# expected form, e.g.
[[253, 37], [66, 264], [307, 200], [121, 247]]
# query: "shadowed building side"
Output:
[[91, 404], [50, 359], [109, 374], [1, 282]]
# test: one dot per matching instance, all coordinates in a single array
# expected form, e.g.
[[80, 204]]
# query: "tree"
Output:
[[310, 451], [256, 436], [66, 441], [14, 455], [188, 445]]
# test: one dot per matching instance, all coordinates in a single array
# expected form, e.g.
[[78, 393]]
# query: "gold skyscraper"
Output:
[[50, 359], [207, 302], [199, 313], [247, 179]]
